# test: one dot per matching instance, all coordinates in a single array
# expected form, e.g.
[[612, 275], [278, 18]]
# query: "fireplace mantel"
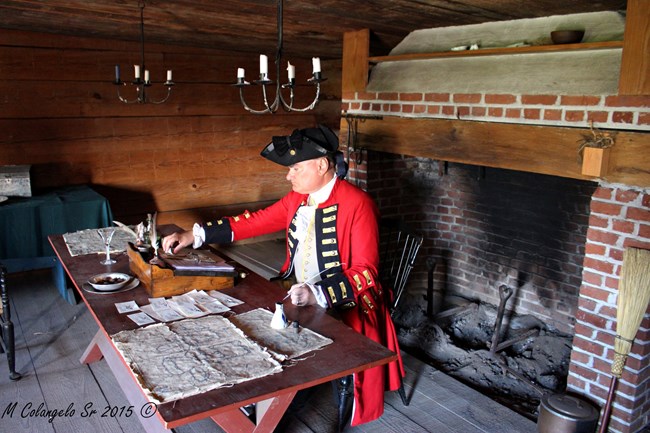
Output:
[[529, 148]]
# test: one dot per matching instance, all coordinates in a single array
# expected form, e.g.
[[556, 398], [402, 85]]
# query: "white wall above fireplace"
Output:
[[572, 72]]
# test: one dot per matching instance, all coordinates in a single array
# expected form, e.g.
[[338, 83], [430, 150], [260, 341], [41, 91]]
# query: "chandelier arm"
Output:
[[246, 107], [127, 101], [289, 107], [169, 92], [276, 101]]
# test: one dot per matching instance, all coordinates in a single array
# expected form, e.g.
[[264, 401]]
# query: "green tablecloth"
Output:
[[25, 223]]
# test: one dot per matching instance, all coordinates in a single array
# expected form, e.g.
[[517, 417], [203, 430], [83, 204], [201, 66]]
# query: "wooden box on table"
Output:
[[162, 282]]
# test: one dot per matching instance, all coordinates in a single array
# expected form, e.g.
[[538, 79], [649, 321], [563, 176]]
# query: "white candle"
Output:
[[146, 75], [240, 72], [315, 62], [264, 64], [169, 74], [137, 71], [291, 71]]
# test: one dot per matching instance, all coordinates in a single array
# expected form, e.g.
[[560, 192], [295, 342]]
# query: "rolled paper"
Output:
[[315, 62], [264, 64]]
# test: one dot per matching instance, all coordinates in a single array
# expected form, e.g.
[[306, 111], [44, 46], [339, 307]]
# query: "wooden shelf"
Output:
[[499, 51]]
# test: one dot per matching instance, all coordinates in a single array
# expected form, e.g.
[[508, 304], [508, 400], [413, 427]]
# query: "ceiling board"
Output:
[[311, 27]]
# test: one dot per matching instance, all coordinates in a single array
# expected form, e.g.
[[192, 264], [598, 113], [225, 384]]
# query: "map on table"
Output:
[[191, 356], [287, 343], [90, 242]]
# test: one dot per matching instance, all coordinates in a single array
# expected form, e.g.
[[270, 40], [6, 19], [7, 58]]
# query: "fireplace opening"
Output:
[[516, 366], [489, 233]]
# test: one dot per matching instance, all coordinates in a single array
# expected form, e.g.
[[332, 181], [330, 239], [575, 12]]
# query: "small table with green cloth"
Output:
[[26, 222]]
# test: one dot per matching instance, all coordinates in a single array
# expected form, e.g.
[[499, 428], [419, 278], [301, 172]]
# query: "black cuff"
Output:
[[218, 232]]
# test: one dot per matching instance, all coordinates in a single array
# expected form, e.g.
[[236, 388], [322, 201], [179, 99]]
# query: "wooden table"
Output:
[[350, 353]]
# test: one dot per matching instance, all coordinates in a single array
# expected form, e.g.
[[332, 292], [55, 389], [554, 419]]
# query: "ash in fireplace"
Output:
[[530, 359]]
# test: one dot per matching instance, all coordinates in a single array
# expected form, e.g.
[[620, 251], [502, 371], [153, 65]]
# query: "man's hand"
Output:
[[301, 295], [177, 241]]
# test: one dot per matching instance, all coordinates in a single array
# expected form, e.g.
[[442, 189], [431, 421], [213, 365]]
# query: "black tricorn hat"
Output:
[[301, 145]]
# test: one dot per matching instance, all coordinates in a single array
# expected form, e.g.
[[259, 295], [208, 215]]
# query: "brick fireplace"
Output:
[[558, 240]]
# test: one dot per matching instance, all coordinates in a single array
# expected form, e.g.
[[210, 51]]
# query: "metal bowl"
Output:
[[561, 413], [567, 36], [109, 281]]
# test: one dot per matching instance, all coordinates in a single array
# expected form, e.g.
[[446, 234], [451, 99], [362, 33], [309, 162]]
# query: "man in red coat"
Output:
[[332, 249]]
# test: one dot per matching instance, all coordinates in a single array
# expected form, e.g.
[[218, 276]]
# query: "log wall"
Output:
[[192, 157]]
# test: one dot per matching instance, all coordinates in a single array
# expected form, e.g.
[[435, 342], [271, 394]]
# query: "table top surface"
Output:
[[349, 353]]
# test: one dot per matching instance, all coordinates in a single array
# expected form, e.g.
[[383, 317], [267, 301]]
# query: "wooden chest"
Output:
[[15, 181], [162, 282]]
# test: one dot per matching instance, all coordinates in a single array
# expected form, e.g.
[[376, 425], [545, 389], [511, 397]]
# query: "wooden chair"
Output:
[[398, 248], [7, 342]]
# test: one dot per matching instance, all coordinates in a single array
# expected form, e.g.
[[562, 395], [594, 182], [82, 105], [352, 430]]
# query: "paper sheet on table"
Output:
[[226, 300], [284, 343], [192, 356], [89, 242]]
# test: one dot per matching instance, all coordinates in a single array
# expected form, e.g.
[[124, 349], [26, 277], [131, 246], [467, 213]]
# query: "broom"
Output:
[[632, 302]]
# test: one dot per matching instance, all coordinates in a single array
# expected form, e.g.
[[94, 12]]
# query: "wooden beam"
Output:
[[635, 64], [354, 76], [537, 149], [608, 45]]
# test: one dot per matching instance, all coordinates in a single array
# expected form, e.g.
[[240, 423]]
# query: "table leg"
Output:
[[268, 413], [92, 353], [101, 346]]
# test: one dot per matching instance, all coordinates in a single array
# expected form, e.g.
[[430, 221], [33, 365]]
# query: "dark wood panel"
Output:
[[199, 151]]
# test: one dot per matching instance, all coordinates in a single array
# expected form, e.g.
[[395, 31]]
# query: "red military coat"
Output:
[[347, 238]]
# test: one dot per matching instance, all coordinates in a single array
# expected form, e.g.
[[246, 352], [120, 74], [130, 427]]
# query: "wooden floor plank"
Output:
[[21, 393], [55, 337], [115, 397]]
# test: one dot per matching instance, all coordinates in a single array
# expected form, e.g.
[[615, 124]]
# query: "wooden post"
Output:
[[635, 64], [354, 74]]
